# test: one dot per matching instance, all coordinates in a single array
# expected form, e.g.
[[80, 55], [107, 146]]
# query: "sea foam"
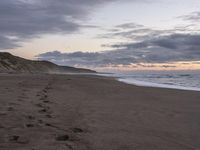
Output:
[[188, 80]]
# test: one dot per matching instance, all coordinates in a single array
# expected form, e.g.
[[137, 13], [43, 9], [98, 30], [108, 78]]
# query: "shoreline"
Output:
[[48, 112], [157, 85], [130, 81], [142, 83]]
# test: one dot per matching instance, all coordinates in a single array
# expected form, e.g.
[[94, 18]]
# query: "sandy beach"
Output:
[[74, 112]]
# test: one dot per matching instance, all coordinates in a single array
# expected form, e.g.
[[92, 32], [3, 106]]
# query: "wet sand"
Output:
[[74, 112]]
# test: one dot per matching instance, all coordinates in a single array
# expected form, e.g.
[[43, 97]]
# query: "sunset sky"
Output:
[[104, 34]]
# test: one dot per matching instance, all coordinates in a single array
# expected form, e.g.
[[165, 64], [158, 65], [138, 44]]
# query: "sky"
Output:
[[104, 34]]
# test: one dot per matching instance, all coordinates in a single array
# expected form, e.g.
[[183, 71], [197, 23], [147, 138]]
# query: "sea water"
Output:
[[184, 80]]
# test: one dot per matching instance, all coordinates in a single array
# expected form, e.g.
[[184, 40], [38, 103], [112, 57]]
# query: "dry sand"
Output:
[[61, 112]]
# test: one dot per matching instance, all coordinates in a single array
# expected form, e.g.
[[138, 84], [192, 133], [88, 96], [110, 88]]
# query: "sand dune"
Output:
[[13, 64]]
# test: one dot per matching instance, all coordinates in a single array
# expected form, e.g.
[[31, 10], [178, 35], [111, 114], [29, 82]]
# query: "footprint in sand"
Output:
[[10, 108], [46, 101], [29, 125], [20, 99], [40, 121], [49, 116], [3, 113], [62, 138], [39, 105], [43, 110], [43, 97], [31, 117], [44, 90], [18, 139], [38, 94], [77, 130], [69, 145]]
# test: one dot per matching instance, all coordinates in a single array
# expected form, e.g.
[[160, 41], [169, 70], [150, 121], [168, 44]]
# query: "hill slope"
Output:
[[10, 63]]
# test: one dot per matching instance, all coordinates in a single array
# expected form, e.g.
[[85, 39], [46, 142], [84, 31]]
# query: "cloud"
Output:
[[129, 25], [163, 49], [145, 45], [26, 19], [178, 42], [7, 43], [136, 32], [129, 30], [194, 17]]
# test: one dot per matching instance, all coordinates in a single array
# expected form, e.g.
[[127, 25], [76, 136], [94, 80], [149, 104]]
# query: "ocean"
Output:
[[184, 80]]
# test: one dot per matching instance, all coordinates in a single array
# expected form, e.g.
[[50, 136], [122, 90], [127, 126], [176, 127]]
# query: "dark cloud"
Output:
[[194, 17], [179, 41], [173, 47], [163, 49], [7, 43], [26, 19]]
